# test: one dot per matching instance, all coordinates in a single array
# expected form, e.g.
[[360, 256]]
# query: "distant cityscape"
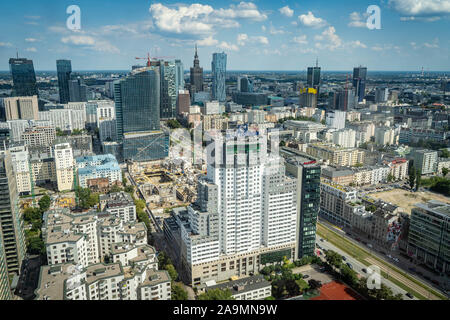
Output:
[[162, 183]]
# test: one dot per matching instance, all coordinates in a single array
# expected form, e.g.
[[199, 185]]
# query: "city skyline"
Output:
[[258, 35]]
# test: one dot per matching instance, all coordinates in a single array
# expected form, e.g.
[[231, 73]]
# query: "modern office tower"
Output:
[[336, 119], [11, 222], [244, 84], [5, 289], [179, 75], [21, 167], [425, 161], [137, 99], [381, 94], [307, 173], [24, 78], [359, 82], [65, 166], [219, 69], [21, 108], [429, 237], [313, 77], [183, 102], [77, 90], [196, 76], [64, 71], [99, 166], [169, 90], [308, 98]]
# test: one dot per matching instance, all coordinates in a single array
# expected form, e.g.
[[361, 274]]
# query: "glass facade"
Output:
[[64, 70], [359, 82], [146, 146], [313, 78], [137, 99], [24, 77], [168, 90], [5, 290], [219, 69]]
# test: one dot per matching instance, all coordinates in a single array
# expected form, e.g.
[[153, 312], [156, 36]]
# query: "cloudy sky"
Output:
[[257, 35]]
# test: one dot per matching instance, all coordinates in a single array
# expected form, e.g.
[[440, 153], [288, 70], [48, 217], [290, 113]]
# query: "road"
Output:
[[358, 266]]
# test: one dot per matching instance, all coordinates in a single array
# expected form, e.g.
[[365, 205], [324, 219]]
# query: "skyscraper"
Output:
[[179, 75], [64, 70], [196, 74], [77, 90], [307, 173], [138, 100], [24, 77], [219, 69], [11, 222], [313, 77], [244, 84], [5, 290], [169, 91], [359, 82]]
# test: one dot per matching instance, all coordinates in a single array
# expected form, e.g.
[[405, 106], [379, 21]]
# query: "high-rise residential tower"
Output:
[[24, 77], [359, 82], [219, 69], [11, 222], [196, 75], [64, 70]]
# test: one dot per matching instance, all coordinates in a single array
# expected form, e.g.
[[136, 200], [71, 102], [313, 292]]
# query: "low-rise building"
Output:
[[99, 166], [251, 288]]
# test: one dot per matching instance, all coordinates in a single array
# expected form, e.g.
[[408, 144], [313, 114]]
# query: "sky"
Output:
[[257, 35]]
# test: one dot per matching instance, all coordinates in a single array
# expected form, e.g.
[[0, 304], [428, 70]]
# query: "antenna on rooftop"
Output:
[[317, 62], [17, 53]]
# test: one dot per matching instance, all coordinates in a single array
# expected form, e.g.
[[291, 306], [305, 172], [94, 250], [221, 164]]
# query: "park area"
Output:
[[407, 199]]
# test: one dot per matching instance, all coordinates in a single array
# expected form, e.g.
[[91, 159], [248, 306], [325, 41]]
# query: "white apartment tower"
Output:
[[64, 164]]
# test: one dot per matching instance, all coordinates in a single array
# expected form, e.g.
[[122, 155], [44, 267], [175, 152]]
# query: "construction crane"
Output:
[[153, 58]]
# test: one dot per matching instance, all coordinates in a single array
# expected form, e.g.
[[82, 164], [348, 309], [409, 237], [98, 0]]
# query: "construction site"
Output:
[[166, 184]]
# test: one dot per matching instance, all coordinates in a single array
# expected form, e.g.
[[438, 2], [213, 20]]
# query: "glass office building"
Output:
[[64, 70], [219, 69], [5, 290], [24, 77], [307, 172], [169, 89], [359, 82]]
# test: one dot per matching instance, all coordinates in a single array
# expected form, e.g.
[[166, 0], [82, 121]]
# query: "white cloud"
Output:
[[357, 44], [31, 40], [201, 20], [274, 31], [434, 44], [243, 39], [385, 47], [328, 39], [272, 52], [5, 44], [356, 21], [228, 46], [309, 20], [32, 49], [421, 8], [208, 42], [300, 40], [90, 43], [288, 12], [263, 28], [244, 10]]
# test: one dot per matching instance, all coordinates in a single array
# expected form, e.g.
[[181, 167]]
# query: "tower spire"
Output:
[[317, 62]]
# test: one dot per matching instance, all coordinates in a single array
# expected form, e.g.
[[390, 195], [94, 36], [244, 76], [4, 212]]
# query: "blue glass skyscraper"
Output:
[[64, 70], [359, 82], [24, 77], [219, 69]]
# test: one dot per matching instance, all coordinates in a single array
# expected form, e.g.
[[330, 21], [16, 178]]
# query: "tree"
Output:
[[36, 246], [445, 153], [444, 171], [172, 272], [216, 294], [334, 258], [114, 189], [292, 288], [418, 179], [371, 208], [390, 178], [178, 292], [412, 177], [44, 203]]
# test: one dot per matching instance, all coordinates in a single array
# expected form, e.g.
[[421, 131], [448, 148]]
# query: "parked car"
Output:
[[369, 245], [321, 239], [364, 270], [305, 276], [435, 282], [349, 265], [409, 295], [412, 269], [344, 258]]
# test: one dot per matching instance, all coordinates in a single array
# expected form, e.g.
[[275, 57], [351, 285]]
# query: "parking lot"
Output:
[[313, 272]]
